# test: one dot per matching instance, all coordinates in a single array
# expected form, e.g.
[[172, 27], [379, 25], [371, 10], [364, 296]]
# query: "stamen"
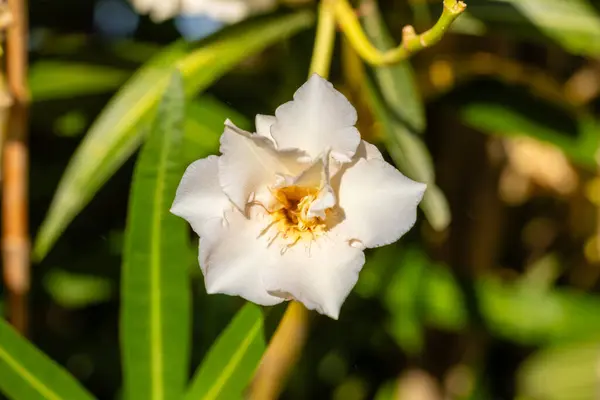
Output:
[[257, 203], [273, 239], [292, 218], [266, 229]]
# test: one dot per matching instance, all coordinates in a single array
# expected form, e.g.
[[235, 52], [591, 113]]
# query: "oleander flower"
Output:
[[286, 212], [228, 11]]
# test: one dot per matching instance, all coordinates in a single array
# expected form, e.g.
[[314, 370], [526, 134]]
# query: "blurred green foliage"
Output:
[[472, 299]]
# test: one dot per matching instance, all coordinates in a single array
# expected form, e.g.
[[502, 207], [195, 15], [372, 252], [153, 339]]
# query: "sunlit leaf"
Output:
[[27, 373], [566, 372], [155, 314], [118, 130], [231, 361], [50, 80]]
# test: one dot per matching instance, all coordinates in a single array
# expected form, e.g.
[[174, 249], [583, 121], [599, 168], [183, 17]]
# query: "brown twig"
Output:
[[15, 238]]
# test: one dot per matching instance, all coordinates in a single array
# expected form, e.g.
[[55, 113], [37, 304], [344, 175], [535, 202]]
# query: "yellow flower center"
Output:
[[292, 219]]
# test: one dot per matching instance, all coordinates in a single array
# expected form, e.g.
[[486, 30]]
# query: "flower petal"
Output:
[[379, 204], [320, 277], [199, 197], [368, 151], [263, 125], [232, 259], [250, 162], [318, 118], [316, 175], [326, 196]]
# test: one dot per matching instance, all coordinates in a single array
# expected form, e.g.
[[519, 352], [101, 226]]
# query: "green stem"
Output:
[[324, 41], [411, 42]]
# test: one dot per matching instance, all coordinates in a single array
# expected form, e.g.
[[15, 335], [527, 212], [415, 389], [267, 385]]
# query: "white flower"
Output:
[[286, 212], [228, 11]]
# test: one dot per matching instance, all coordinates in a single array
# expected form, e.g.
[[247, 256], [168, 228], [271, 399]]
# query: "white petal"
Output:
[[263, 125], [233, 259], [379, 204], [199, 197], [326, 196], [314, 175], [320, 277], [318, 118], [368, 151], [250, 162], [364, 150], [229, 11]]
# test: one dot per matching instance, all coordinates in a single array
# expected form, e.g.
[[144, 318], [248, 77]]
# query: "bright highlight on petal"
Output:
[[286, 212]]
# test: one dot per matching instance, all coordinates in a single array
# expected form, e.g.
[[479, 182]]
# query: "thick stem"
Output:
[[411, 42], [286, 344], [324, 41], [15, 237]]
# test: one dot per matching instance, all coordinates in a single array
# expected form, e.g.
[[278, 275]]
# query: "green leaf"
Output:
[[513, 311], [231, 361], [204, 126], [117, 132], [50, 80], [561, 372], [574, 24], [155, 314], [396, 83], [76, 290], [397, 104], [27, 373], [511, 113]]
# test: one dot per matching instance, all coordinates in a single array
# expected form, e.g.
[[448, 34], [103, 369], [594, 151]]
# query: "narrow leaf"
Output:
[[396, 83], [155, 315], [117, 132], [50, 80], [27, 373], [204, 125], [397, 104], [231, 361]]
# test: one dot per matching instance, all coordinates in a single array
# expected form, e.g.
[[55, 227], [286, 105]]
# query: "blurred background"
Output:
[[493, 295]]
